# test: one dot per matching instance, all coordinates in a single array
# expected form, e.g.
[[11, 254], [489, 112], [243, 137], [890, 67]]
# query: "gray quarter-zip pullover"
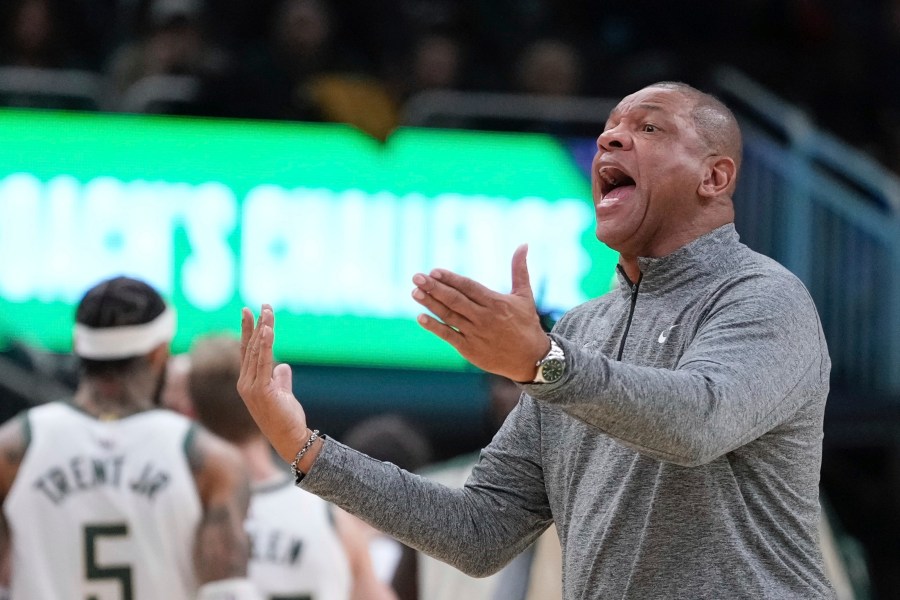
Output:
[[679, 455]]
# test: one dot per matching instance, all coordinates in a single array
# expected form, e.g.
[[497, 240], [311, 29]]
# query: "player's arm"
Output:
[[5, 574], [14, 438], [222, 547], [366, 585]]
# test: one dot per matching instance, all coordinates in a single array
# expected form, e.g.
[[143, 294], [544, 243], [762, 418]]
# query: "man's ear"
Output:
[[719, 177]]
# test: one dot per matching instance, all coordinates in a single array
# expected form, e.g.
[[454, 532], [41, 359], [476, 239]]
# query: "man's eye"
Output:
[[649, 128]]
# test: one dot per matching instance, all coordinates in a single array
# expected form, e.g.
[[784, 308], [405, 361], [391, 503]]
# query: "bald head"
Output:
[[714, 121]]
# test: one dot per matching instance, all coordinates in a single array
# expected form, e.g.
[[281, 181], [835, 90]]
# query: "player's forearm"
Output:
[[222, 547]]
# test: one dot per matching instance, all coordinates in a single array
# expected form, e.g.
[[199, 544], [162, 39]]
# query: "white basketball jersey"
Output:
[[295, 550], [103, 510]]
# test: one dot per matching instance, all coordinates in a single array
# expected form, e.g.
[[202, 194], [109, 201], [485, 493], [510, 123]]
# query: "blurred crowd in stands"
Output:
[[360, 62]]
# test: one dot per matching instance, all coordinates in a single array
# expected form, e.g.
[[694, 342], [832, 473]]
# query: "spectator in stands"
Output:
[[438, 63], [35, 35], [301, 546], [300, 45], [551, 68], [671, 428], [497, 30], [155, 503], [174, 44], [312, 76]]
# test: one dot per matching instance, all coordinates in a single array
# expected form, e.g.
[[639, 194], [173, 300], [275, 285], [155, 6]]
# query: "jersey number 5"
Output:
[[95, 572]]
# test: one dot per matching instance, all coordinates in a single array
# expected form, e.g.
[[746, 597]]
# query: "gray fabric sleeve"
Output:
[[478, 529], [758, 340]]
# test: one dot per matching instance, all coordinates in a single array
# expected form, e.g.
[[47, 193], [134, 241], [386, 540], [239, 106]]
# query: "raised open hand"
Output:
[[500, 333], [266, 388]]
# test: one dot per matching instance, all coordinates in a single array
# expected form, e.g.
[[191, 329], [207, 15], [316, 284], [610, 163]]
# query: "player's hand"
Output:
[[266, 389], [500, 333]]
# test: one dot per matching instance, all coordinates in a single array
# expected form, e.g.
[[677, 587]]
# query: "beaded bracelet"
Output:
[[297, 473]]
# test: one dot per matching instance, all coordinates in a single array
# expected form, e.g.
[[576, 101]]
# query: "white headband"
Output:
[[114, 343]]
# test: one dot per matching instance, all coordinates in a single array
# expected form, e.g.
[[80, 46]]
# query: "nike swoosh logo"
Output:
[[665, 334]]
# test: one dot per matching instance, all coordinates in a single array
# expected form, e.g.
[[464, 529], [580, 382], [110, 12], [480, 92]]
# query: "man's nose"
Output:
[[614, 137]]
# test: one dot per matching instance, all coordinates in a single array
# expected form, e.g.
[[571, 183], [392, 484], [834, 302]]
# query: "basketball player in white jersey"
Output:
[[108, 497], [301, 546]]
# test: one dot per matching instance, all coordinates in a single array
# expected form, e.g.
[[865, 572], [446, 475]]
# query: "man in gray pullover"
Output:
[[671, 428]]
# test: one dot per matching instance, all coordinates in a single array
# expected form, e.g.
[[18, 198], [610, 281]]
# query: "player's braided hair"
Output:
[[117, 302]]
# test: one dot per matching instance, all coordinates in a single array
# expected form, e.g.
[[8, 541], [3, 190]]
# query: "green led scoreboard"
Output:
[[323, 222]]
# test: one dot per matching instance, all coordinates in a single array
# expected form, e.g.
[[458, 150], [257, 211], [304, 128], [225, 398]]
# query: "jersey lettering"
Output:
[[273, 546], [83, 473], [80, 474], [151, 481]]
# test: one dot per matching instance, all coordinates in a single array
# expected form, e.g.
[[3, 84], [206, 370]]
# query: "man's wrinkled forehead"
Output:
[[652, 99]]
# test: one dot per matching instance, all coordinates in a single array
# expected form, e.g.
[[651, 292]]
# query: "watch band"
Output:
[[551, 368]]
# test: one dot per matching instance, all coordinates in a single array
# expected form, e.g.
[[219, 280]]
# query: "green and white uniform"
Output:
[[295, 550], [103, 509]]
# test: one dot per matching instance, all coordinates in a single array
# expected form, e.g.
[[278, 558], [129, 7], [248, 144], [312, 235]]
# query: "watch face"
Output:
[[552, 370]]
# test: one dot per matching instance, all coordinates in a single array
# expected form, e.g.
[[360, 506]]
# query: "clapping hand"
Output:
[[266, 389], [500, 333]]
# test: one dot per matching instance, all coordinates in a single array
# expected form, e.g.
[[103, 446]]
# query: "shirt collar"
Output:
[[702, 255]]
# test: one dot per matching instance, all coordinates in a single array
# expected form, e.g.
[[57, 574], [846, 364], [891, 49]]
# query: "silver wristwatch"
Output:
[[552, 367]]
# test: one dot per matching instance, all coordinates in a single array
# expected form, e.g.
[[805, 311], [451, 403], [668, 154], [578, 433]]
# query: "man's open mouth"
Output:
[[612, 178]]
